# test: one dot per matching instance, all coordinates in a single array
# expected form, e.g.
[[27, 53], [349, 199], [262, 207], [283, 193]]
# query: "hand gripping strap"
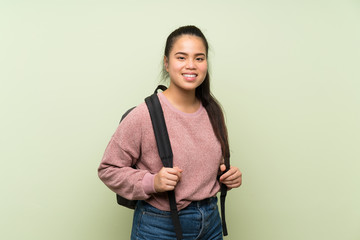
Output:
[[165, 151]]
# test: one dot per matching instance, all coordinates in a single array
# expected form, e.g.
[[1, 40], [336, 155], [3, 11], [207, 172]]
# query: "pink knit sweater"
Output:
[[195, 147]]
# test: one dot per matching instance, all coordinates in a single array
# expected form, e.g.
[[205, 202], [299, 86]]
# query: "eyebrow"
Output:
[[196, 54]]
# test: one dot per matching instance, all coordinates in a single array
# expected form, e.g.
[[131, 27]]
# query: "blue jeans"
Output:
[[199, 220]]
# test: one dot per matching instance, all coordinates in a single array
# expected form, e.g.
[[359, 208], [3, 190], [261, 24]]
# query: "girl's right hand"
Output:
[[166, 179]]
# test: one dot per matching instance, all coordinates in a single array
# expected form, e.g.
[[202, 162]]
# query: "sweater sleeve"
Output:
[[121, 154]]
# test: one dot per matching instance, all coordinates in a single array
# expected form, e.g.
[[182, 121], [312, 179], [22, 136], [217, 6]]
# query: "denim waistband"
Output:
[[199, 220], [193, 204], [205, 201]]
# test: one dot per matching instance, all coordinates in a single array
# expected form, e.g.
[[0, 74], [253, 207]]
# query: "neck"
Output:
[[183, 100]]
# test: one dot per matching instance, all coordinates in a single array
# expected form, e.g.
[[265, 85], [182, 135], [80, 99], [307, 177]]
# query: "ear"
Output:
[[166, 63]]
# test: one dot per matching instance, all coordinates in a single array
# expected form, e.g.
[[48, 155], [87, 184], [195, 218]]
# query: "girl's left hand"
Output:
[[232, 178]]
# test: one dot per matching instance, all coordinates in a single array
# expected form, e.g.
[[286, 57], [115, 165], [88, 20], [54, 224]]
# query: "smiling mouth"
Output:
[[189, 75]]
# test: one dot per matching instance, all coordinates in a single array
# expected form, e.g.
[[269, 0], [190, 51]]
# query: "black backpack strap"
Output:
[[223, 193], [161, 87], [165, 151], [160, 130]]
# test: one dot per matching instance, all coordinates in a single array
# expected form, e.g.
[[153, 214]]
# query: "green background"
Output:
[[286, 72]]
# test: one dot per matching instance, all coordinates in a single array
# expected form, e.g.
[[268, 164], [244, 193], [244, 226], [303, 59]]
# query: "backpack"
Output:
[[166, 155]]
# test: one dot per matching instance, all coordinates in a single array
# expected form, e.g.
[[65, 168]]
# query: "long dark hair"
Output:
[[202, 92]]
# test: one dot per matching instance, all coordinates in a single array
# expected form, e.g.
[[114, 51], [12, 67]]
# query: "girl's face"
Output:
[[187, 63]]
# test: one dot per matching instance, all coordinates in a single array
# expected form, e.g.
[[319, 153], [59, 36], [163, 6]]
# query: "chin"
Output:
[[190, 87]]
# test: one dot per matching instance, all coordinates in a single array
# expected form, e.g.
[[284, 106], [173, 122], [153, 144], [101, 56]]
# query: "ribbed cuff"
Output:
[[148, 183]]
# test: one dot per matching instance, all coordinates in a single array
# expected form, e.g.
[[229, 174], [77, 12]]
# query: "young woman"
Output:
[[198, 137]]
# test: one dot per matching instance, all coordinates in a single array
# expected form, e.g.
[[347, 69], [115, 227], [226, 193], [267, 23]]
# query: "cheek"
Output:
[[175, 67], [173, 70], [204, 68]]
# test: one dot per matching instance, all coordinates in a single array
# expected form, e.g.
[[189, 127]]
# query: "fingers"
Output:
[[232, 178], [166, 179], [229, 173], [178, 172], [222, 167]]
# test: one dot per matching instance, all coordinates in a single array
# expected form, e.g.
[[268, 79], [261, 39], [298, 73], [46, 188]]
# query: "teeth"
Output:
[[189, 75]]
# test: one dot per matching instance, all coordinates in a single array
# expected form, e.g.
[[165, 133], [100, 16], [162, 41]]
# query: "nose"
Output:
[[190, 64]]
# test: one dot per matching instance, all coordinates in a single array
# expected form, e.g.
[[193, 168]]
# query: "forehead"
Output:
[[189, 44]]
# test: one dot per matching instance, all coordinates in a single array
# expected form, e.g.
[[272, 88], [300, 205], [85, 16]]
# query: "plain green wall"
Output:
[[286, 72]]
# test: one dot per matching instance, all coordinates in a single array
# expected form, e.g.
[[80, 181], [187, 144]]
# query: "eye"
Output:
[[200, 59], [181, 58]]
